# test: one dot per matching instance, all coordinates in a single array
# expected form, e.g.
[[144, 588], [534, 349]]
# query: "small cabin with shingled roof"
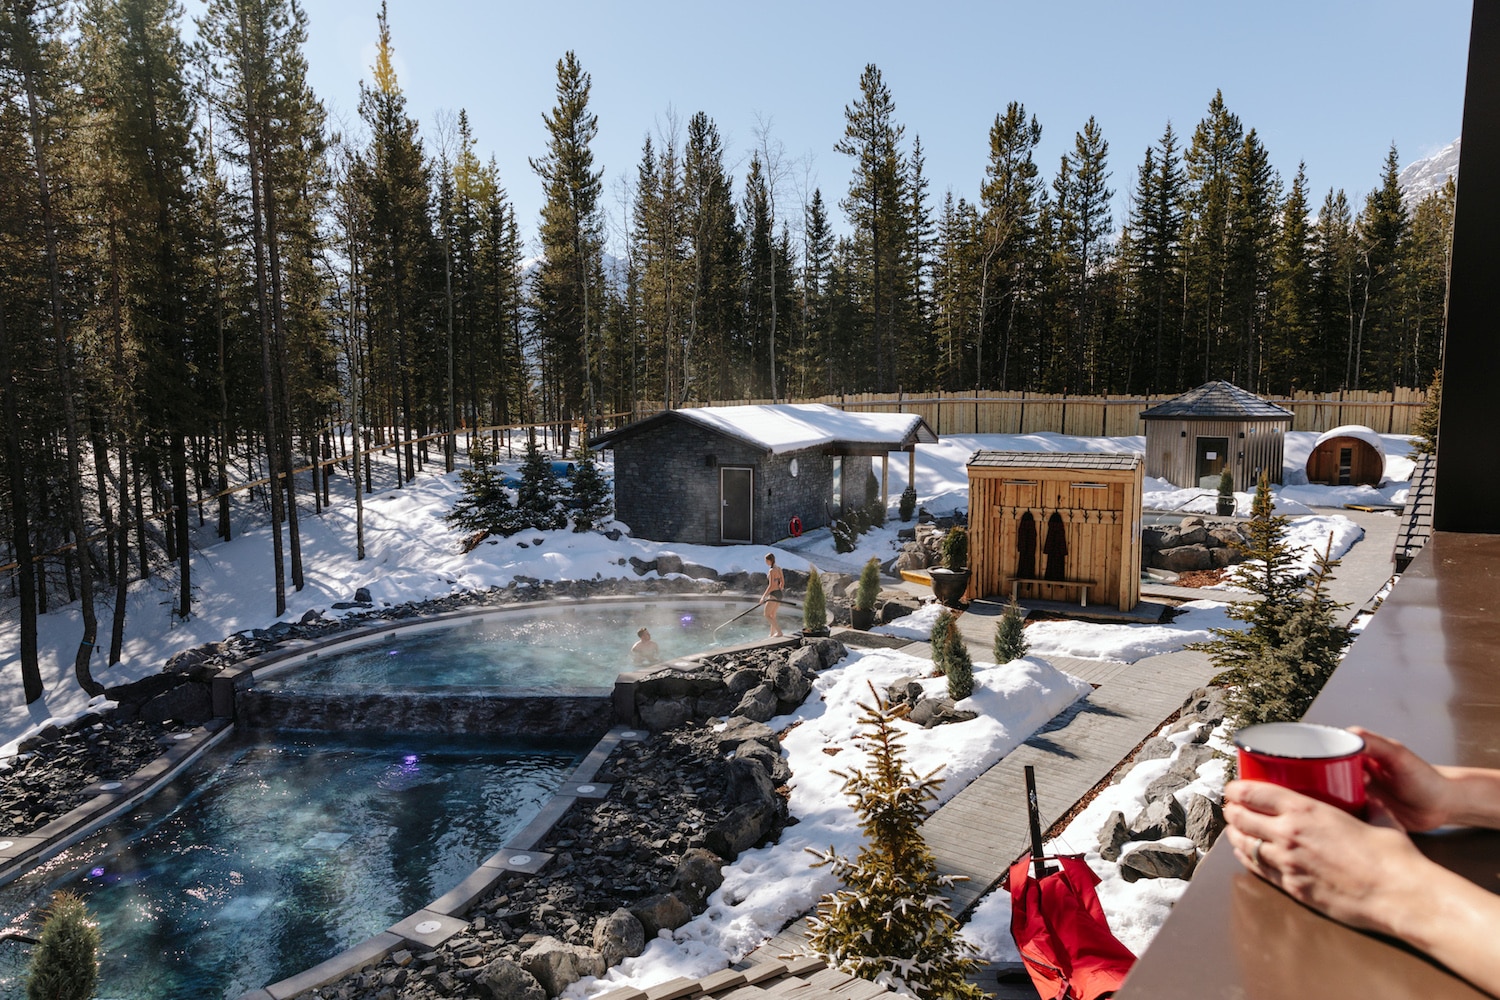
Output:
[[1192, 438], [1057, 526], [715, 475]]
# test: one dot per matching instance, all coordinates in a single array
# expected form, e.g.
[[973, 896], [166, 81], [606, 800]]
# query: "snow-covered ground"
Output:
[[413, 555]]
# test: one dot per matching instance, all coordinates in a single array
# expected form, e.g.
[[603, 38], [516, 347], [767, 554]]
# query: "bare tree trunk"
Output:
[[64, 360], [20, 522]]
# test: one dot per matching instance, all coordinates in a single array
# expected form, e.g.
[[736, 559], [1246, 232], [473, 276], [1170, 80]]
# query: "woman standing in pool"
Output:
[[775, 585]]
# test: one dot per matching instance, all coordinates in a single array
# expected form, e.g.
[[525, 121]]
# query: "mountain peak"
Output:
[[1423, 177]]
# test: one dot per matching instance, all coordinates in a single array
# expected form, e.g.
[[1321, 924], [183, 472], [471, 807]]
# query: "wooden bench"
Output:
[[1082, 586]]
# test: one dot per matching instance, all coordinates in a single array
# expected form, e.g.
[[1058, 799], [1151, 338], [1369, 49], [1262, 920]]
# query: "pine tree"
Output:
[[1010, 198], [1425, 428], [1292, 296], [65, 964], [1275, 668], [485, 507], [959, 665], [891, 923], [1381, 232], [1424, 272], [814, 603], [1010, 634], [588, 500], [537, 502], [1334, 254], [568, 284]]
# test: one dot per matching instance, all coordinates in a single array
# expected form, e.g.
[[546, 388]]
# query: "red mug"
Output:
[[1320, 761]]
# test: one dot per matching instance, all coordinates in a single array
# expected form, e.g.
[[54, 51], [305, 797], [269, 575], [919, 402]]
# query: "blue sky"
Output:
[[1328, 83]]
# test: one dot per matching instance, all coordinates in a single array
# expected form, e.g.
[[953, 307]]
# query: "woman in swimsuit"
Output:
[[775, 585]]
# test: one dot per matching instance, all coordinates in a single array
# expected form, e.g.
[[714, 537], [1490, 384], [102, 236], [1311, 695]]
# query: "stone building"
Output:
[[1192, 438], [740, 474]]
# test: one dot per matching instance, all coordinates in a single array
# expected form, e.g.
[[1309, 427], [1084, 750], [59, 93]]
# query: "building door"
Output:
[[735, 504], [1346, 464], [1213, 459]]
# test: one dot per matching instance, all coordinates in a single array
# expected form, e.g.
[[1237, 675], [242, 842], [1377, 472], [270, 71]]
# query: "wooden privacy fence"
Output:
[[1098, 416]]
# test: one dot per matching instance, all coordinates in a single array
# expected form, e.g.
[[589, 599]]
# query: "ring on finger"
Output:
[[1255, 851]]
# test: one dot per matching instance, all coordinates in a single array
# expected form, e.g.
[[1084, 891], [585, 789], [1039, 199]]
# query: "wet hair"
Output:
[[642, 632]]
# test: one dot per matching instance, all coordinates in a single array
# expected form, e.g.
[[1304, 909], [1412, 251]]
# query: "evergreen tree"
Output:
[[485, 507], [588, 500], [943, 628], [1010, 200], [815, 362], [877, 207], [1425, 428], [1010, 634], [711, 360], [1381, 232], [1255, 200], [538, 504], [1292, 296], [1083, 221], [1424, 272], [567, 288], [1274, 668], [1209, 162], [1334, 255], [814, 603], [891, 923], [65, 964], [959, 665], [1153, 262]]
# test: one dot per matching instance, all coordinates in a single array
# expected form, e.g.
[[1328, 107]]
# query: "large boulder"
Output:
[[1163, 817], [619, 936], [771, 761], [830, 651], [662, 912], [189, 703], [557, 965], [747, 781], [912, 557], [668, 563], [746, 826], [1164, 786], [1190, 758], [759, 703], [666, 713], [931, 712], [505, 980], [1184, 558], [791, 685], [806, 659], [698, 875], [897, 605], [739, 729], [1113, 835], [1159, 861], [1205, 821]]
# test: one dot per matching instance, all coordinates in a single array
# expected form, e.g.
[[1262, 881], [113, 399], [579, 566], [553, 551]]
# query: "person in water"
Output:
[[645, 649], [775, 588]]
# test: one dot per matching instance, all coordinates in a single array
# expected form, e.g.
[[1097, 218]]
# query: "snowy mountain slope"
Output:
[[1423, 177]]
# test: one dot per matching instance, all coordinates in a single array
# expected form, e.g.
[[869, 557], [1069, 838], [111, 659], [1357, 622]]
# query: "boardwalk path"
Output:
[[982, 829]]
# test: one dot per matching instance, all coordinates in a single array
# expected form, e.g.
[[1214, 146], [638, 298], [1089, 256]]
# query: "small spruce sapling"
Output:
[[65, 964], [946, 623], [960, 666], [890, 923], [1010, 634], [1226, 484], [814, 603], [1425, 428], [869, 586], [537, 501]]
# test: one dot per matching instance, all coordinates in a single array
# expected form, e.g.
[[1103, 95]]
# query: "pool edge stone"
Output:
[[368, 952], [417, 929]]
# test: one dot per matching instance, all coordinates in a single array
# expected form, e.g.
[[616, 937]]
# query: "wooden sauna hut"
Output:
[[1347, 456], [1192, 438], [1057, 526]]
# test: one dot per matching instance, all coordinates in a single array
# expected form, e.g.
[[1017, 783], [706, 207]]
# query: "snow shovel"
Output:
[[1058, 924]]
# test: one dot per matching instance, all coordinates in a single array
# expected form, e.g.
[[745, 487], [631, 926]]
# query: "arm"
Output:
[[1422, 797], [1369, 877]]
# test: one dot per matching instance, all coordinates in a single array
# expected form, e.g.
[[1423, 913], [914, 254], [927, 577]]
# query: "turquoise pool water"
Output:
[[564, 646], [268, 858]]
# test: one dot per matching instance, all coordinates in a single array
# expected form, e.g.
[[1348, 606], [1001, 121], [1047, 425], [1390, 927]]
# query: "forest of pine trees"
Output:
[[204, 284]]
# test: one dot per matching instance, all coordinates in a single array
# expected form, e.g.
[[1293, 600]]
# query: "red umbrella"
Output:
[[1059, 925]]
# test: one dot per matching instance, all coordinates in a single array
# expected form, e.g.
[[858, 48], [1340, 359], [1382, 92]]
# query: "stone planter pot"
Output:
[[1225, 507], [948, 585], [815, 633], [863, 618]]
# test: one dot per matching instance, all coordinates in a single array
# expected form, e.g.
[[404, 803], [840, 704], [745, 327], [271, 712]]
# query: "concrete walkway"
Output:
[[979, 832]]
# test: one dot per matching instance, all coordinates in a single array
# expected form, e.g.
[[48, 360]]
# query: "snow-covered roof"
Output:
[[1073, 461], [1358, 431], [1218, 399], [784, 427]]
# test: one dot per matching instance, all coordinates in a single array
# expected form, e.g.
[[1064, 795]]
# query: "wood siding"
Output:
[[1367, 466], [1102, 525], [1172, 449]]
